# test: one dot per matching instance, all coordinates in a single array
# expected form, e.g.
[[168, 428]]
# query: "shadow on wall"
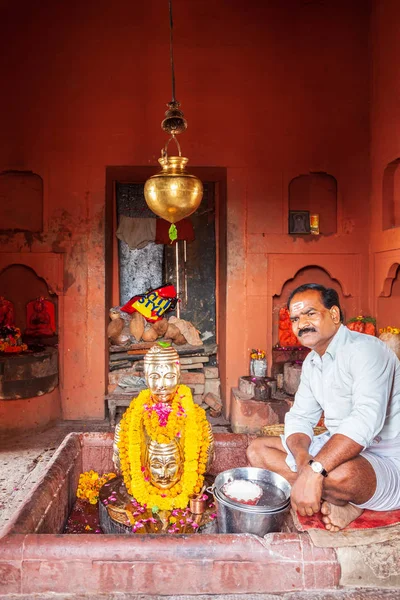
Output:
[[391, 195], [388, 305]]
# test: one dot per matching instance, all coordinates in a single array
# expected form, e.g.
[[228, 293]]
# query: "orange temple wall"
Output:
[[272, 92]]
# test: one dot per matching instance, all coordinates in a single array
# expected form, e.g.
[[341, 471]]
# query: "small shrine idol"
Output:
[[163, 446], [6, 313], [10, 335], [40, 318]]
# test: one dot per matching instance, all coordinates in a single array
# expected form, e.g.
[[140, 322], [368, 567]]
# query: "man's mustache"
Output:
[[306, 330]]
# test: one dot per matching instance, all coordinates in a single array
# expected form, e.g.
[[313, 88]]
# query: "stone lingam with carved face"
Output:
[[163, 446]]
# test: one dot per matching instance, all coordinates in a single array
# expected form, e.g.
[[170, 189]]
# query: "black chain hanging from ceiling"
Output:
[[175, 121], [171, 50]]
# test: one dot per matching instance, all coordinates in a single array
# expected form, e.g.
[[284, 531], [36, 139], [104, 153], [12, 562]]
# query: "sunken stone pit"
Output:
[[35, 558]]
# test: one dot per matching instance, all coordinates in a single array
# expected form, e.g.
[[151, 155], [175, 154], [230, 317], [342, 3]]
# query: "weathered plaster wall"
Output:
[[271, 90], [385, 148]]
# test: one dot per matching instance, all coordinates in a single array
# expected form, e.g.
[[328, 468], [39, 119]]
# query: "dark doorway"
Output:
[[208, 269], [189, 265]]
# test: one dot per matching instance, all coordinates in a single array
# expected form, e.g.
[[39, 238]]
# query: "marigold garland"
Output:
[[395, 330], [10, 340], [184, 419], [89, 485], [257, 354]]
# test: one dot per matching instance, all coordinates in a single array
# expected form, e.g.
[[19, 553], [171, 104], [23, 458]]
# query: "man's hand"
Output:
[[307, 489], [306, 492]]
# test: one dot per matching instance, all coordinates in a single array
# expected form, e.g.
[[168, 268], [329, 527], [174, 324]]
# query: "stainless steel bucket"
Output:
[[265, 517]]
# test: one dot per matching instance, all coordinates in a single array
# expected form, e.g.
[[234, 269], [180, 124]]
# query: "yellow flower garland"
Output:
[[395, 330], [89, 485], [191, 424]]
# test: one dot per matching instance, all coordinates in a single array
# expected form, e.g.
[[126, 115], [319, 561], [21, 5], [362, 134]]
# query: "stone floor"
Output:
[[23, 459]]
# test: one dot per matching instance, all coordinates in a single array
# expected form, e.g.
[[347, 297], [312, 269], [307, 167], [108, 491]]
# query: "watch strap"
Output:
[[323, 471]]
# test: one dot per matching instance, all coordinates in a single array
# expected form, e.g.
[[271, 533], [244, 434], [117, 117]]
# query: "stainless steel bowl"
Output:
[[276, 489], [219, 495], [232, 519], [264, 517]]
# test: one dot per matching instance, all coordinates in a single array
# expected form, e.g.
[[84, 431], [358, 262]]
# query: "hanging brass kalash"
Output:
[[173, 193]]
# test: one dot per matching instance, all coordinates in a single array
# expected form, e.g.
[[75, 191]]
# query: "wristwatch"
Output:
[[317, 467]]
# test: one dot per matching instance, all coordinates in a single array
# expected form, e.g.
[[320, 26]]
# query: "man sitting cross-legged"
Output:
[[355, 379]]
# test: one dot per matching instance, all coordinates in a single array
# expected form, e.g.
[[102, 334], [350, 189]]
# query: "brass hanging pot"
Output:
[[173, 194]]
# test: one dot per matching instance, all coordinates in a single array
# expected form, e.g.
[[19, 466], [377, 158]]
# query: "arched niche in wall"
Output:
[[388, 304], [391, 195], [317, 194], [310, 274], [21, 201], [20, 284]]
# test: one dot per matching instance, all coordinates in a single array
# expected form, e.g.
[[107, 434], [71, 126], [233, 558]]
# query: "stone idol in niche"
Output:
[[10, 335], [6, 312], [40, 318]]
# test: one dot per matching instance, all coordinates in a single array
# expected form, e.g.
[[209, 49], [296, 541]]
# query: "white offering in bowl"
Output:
[[243, 491]]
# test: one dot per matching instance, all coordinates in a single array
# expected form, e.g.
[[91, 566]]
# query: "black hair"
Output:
[[329, 296]]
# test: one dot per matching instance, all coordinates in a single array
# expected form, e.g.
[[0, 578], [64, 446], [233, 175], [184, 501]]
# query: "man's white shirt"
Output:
[[356, 383]]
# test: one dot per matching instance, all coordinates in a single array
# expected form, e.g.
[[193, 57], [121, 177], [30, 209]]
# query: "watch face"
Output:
[[316, 467]]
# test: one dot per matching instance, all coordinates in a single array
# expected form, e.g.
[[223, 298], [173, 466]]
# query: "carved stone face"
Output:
[[162, 372], [163, 380], [164, 464]]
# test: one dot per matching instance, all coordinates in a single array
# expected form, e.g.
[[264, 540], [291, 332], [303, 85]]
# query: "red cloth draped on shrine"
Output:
[[6, 312]]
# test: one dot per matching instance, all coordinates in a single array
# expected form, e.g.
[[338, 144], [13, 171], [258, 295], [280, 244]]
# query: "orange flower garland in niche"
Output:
[[10, 339], [183, 418]]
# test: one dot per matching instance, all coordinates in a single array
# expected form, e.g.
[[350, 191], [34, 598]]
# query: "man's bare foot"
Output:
[[338, 517]]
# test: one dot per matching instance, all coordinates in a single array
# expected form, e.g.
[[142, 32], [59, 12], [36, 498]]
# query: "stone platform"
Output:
[[34, 558], [35, 561], [249, 415], [28, 374]]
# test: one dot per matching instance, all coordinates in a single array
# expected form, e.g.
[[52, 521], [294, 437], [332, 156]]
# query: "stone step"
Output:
[[213, 386], [191, 367], [214, 403], [211, 372], [198, 388], [198, 399], [249, 415], [194, 360], [188, 378]]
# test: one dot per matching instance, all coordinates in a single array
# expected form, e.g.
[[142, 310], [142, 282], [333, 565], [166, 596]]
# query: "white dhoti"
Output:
[[383, 456]]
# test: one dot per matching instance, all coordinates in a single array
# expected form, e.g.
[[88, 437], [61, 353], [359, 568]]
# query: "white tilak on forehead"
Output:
[[297, 305]]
